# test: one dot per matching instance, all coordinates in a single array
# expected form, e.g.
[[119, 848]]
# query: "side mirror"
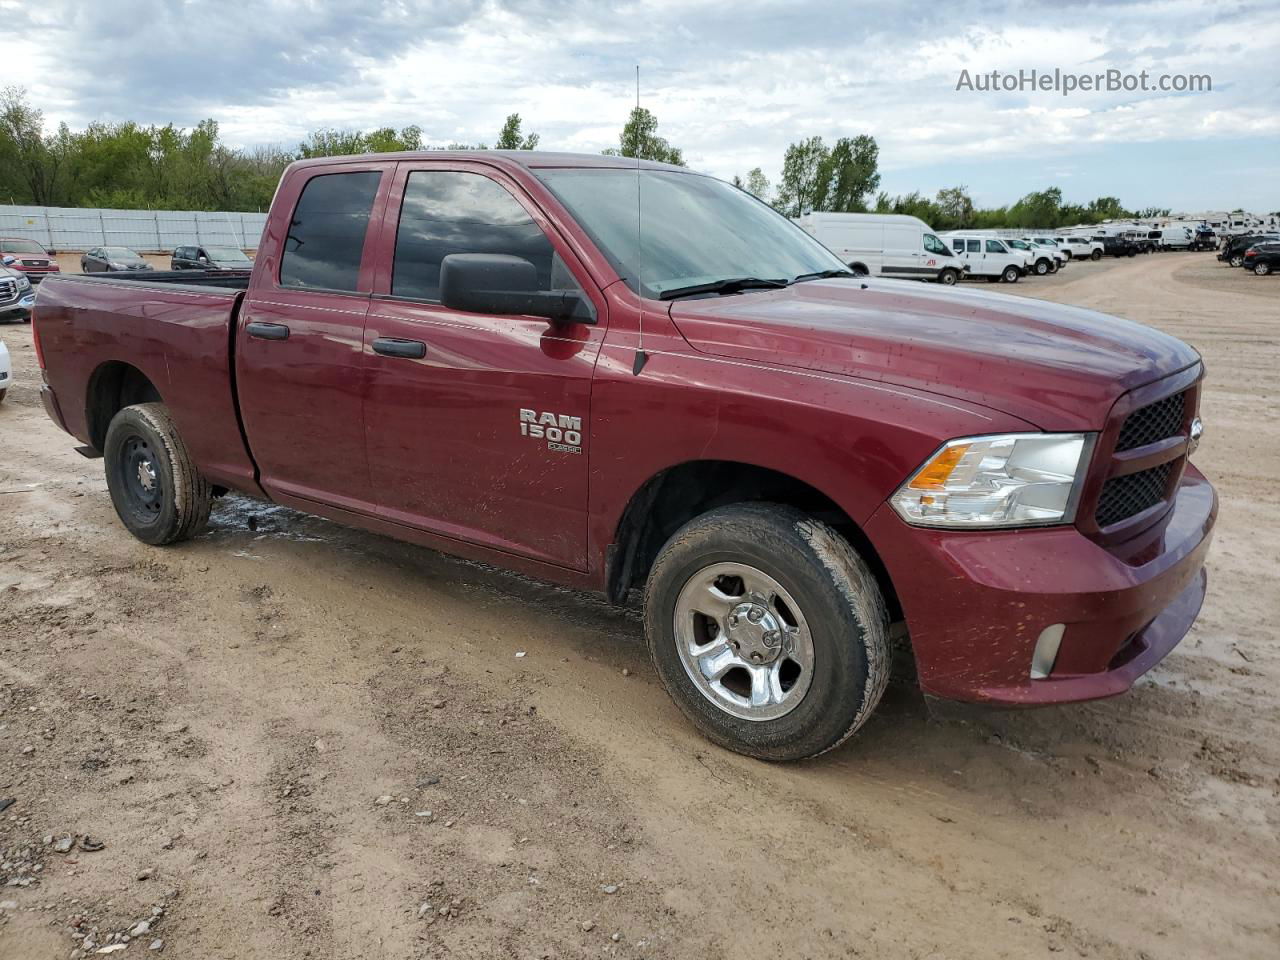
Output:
[[501, 284]]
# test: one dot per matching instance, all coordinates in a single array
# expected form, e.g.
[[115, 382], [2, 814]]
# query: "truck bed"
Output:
[[155, 335]]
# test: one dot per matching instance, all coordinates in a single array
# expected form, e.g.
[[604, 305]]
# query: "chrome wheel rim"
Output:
[[744, 641]]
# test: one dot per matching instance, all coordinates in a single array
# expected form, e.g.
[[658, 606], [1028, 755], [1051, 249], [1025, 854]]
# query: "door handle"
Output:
[[392, 347], [267, 331]]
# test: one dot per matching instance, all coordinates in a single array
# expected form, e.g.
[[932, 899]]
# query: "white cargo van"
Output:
[[987, 256], [1175, 238], [885, 245]]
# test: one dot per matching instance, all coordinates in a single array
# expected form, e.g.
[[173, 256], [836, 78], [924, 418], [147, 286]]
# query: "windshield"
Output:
[[695, 229], [1020, 244], [225, 253], [22, 246], [120, 253]]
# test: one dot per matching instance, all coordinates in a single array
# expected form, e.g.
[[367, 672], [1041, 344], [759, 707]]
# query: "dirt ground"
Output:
[[295, 740]]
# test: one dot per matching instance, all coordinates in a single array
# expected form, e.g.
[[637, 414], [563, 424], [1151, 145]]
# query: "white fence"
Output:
[[147, 231]]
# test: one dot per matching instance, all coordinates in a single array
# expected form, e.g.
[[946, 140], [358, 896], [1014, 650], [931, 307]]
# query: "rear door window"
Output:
[[325, 243]]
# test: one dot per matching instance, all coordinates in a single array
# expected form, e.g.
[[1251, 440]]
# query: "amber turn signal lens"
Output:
[[933, 476]]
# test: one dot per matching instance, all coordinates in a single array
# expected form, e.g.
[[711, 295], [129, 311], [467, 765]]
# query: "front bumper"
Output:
[[20, 308], [975, 602]]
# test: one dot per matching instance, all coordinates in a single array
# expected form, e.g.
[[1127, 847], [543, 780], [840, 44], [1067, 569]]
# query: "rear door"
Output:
[[477, 425], [299, 342]]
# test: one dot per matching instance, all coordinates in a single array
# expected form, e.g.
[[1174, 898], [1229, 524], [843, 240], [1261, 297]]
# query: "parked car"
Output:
[[1204, 238], [885, 245], [1062, 253], [1264, 258], [1039, 260], [16, 295], [1116, 245], [6, 371], [784, 455], [1081, 248], [987, 257], [209, 258], [30, 258], [1234, 248], [112, 259]]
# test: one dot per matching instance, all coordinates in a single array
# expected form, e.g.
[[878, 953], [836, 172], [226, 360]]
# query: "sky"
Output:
[[731, 83]]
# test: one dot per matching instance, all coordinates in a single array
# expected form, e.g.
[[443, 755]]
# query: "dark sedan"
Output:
[[112, 260], [210, 258], [1263, 258]]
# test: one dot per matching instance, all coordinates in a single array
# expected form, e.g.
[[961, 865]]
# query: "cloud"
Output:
[[732, 83]]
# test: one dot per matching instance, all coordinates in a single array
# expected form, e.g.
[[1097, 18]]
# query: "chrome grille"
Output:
[[8, 288], [1126, 496], [1152, 423]]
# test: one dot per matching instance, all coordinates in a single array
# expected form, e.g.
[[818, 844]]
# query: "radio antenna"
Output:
[[641, 357]]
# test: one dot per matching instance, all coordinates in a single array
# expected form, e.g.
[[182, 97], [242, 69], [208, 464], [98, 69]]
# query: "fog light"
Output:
[[1046, 651]]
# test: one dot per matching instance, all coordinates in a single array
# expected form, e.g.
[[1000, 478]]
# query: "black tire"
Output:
[[1237, 261], [949, 277], [1096, 255], [1042, 266], [1133, 252], [835, 593], [1010, 274], [142, 439], [2, 393], [1053, 267], [1262, 269]]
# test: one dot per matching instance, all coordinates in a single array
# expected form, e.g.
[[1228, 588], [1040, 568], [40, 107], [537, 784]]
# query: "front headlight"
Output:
[[1007, 480], [24, 283]]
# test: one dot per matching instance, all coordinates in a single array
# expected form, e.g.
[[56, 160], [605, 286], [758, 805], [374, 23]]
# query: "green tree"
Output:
[[1042, 209], [328, 142], [954, 209], [511, 137], [1107, 208], [850, 175], [805, 174], [24, 145], [389, 140], [640, 139], [757, 183]]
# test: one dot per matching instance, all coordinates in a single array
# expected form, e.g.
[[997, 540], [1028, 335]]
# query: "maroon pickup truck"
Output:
[[614, 376]]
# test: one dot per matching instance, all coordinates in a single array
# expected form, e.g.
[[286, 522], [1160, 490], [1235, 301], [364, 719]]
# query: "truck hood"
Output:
[[1057, 367]]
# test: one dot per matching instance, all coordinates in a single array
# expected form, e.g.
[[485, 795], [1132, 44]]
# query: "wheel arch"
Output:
[[679, 493], [114, 385]]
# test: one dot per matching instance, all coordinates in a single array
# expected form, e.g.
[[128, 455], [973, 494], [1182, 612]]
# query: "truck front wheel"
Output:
[[157, 491], [768, 630], [949, 277], [1096, 255]]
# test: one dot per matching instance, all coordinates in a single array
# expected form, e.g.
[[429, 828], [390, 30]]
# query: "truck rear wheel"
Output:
[[158, 493], [768, 631]]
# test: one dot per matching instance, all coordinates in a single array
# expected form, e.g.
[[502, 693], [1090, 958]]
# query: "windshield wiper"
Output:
[[823, 275], [727, 285]]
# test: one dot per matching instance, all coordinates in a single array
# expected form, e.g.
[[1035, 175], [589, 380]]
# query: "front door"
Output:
[[477, 425], [299, 361]]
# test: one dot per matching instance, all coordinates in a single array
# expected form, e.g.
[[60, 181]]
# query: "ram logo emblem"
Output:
[[562, 433]]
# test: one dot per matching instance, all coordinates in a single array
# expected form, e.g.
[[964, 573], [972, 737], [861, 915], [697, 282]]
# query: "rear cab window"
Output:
[[325, 243]]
